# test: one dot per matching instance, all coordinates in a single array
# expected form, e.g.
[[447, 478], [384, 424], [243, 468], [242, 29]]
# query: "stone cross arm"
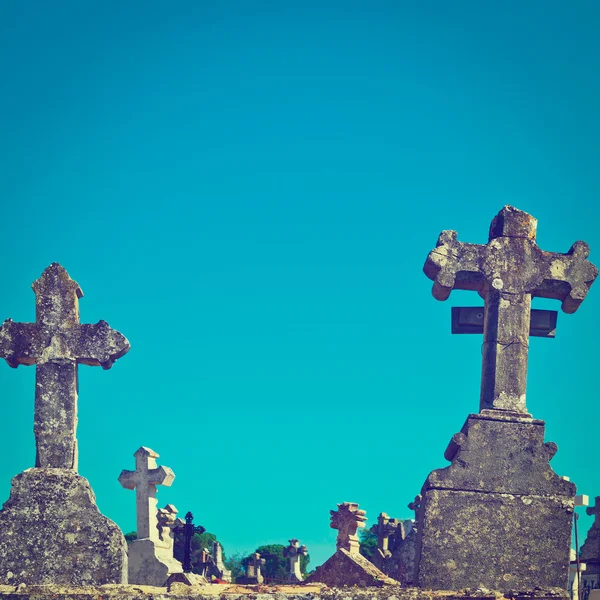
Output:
[[33, 343], [514, 267], [159, 476]]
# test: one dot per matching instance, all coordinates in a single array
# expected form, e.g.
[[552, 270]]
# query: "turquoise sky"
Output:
[[248, 191]]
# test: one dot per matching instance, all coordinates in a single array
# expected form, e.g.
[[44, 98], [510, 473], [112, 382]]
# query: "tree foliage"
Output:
[[276, 564], [368, 543]]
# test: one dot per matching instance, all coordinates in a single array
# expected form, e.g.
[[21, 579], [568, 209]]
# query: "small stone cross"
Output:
[[347, 519], [594, 510], [508, 272], [384, 529], [56, 343], [294, 552], [144, 480], [255, 562]]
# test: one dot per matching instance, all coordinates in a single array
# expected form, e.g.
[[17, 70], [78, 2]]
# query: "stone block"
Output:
[[53, 532]]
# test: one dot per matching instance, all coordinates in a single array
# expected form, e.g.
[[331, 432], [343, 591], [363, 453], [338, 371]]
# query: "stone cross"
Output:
[[56, 343], [144, 480], [294, 552], [217, 552], [384, 529], [347, 519], [255, 562], [594, 510], [508, 272]]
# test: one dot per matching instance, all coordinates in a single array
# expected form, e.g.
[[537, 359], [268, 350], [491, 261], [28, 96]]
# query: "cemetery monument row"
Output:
[[498, 516], [52, 530]]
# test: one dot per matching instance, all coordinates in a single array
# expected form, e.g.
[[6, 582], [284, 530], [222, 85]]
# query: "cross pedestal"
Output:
[[52, 531], [500, 481]]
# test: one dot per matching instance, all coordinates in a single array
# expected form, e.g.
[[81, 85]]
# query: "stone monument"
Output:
[[294, 552], [151, 558], [395, 548], [499, 481], [222, 572], [52, 530], [347, 566], [590, 551], [253, 567]]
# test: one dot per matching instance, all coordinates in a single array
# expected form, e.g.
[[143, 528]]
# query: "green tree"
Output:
[[200, 541], [368, 543], [276, 564], [235, 563], [129, 537]]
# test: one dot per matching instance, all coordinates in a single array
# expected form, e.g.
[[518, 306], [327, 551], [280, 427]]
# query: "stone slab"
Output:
[[346, 568], [52, 532]]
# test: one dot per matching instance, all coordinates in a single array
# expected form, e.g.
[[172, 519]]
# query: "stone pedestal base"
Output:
[[147, 565], [344, 568], [51, 531], [498, 517]]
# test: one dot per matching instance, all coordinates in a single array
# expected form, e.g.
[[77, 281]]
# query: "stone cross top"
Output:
[[507, 272], [144, 480], [56, 343], [384, 528], [347, 519]]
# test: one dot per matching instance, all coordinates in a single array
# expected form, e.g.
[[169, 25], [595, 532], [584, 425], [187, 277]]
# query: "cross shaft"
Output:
[[56, 343]]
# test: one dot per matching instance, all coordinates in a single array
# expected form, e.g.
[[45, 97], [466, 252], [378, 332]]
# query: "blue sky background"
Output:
[[248, 191]]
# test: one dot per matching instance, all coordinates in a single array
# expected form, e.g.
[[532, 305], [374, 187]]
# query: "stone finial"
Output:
[[143, 480], [508, 272], [166, 520], [347, 519], [294, 552], [56, 343]]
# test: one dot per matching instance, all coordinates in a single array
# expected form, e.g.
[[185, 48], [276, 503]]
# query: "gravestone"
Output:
[[222, 572], [253, 567], [151, 558], [294, 552], [52, 530], [347, 566], [395, 548], [590, 551], [499, 481]]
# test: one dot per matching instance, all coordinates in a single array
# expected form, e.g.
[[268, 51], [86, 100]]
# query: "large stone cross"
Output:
[[347, 519], [508, 272], [143, 480], [56, 343]]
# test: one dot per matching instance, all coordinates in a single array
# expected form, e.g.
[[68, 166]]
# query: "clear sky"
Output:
[[248, 191]]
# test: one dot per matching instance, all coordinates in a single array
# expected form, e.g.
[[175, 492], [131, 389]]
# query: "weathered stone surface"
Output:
[[56, 343], [53, 532], [253, 570], [395, 554], [507, 272], [346, 568], [590, 551], [221, 571], [347, 519], [498, 517]]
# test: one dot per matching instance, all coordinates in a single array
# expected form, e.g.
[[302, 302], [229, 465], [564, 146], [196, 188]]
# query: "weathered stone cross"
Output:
[[294, 552], [347, 519], [144, 480], [594, 510], [384, 529], [56, 343], [507, 272]]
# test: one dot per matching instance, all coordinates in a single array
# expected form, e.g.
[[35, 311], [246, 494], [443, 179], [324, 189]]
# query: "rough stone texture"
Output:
[[282, 592], [294, 552], [346, 568], [498, 517], [57, 343], [395, 554], [508, 272], [347, 519], [53, 532], [590, 551], [253, 567]]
